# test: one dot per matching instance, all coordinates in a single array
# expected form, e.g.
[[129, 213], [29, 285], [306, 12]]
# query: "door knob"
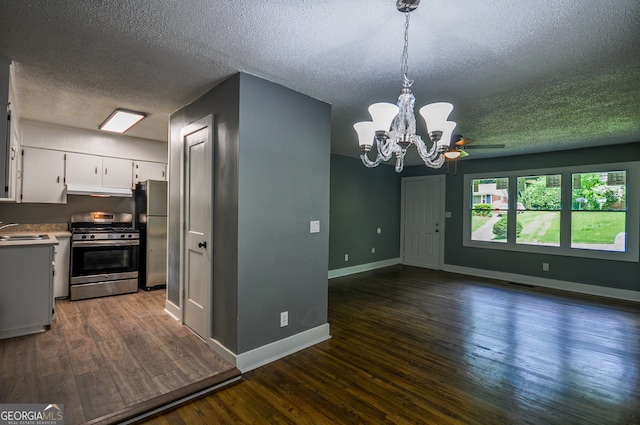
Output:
[[202, 245]]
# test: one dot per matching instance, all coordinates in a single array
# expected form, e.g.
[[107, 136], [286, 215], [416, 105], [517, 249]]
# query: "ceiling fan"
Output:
[[461, 144]]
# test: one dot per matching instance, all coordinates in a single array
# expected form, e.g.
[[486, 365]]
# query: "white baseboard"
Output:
[[622, 294], [363, 268], [276, 350], [223, 351], [172, 309], [267, 353]]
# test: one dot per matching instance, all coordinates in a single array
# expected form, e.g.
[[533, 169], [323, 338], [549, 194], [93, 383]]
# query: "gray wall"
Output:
[[223, 103], [265, 259], [612, 274], [285, 141], [363, 200]]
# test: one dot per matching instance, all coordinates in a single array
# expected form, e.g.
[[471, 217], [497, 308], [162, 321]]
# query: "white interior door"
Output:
[[197, 255], [422, 228]]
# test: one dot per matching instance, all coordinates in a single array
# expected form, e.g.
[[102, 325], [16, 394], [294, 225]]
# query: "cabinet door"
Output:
[[149, 171], [26, 295], [11, 191], [83, 170], [61, 260], [43, 176], [116, 172], [13, 165]]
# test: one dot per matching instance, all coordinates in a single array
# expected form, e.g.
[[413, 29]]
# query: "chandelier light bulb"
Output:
[[383, 114], [366, 131]]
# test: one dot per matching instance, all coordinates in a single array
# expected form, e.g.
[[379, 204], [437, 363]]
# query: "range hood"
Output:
[[74, 189]]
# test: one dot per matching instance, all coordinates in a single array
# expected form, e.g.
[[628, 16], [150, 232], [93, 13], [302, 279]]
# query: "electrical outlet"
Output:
[[346, 257], [373, 250], [545, 267], [284, 319]]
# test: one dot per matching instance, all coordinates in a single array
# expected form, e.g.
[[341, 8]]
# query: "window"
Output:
[[599, 210], [538, 210], [580, 211], [489, 210]]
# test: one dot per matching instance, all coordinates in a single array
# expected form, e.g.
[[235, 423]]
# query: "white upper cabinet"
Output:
[[83, 170], [9, 142], [116, 172], [43, 176], [13, 164], [97, 171], [144, 170], [95, 163]]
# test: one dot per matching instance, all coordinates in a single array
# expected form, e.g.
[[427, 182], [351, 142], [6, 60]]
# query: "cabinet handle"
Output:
[[96, 170], [13, 154], [162, 173], [58, 179], [105, 171]]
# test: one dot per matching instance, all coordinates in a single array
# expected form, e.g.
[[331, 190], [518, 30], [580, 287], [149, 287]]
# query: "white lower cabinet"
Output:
[[43, 176], [61, 261]]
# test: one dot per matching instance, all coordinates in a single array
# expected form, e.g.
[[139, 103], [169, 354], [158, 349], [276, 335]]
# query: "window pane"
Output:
[[490, 201], [598, 217], [538, 218]]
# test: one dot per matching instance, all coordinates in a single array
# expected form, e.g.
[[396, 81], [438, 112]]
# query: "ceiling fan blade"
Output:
[[485, 147], [462, 141]]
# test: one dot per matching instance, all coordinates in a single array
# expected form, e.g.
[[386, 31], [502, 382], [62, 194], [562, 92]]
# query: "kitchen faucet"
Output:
[[7, 225]]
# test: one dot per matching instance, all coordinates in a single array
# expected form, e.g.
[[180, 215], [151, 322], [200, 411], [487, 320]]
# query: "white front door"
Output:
[[197, 255], [422, 227]]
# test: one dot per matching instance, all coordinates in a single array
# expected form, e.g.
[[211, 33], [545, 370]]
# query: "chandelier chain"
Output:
[[405, 53]]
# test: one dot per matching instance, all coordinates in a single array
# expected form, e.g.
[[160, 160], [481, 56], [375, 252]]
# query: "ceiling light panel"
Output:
[[121, 120]]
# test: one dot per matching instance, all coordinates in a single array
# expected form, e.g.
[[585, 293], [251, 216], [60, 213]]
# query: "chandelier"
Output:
[[393, 127]]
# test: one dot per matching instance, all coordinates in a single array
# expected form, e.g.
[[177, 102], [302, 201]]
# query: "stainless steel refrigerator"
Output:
[[151, 220]]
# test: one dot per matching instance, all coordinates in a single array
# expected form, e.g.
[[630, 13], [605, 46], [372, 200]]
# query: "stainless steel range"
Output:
[[105, 251]]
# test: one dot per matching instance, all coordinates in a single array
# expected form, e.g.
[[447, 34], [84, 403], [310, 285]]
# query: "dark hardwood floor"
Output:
[[109, 358], [413, 346]]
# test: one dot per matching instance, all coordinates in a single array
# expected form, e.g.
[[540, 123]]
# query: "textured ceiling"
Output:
[[537, 76]]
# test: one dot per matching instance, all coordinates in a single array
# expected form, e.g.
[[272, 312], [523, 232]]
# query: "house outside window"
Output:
[[586, 211]]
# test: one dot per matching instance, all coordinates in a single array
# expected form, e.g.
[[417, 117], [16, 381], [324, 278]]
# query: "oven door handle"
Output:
[[105, 242]]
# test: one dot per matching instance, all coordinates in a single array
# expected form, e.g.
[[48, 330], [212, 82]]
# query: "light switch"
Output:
[[314, 226]]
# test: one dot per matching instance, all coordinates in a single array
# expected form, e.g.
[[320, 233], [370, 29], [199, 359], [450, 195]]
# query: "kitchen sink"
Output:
[[23, 237]]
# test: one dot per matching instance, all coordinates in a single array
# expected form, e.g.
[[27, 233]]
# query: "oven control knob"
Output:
[[122, 236], [130, 236], [84, 236], [93, 236]]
